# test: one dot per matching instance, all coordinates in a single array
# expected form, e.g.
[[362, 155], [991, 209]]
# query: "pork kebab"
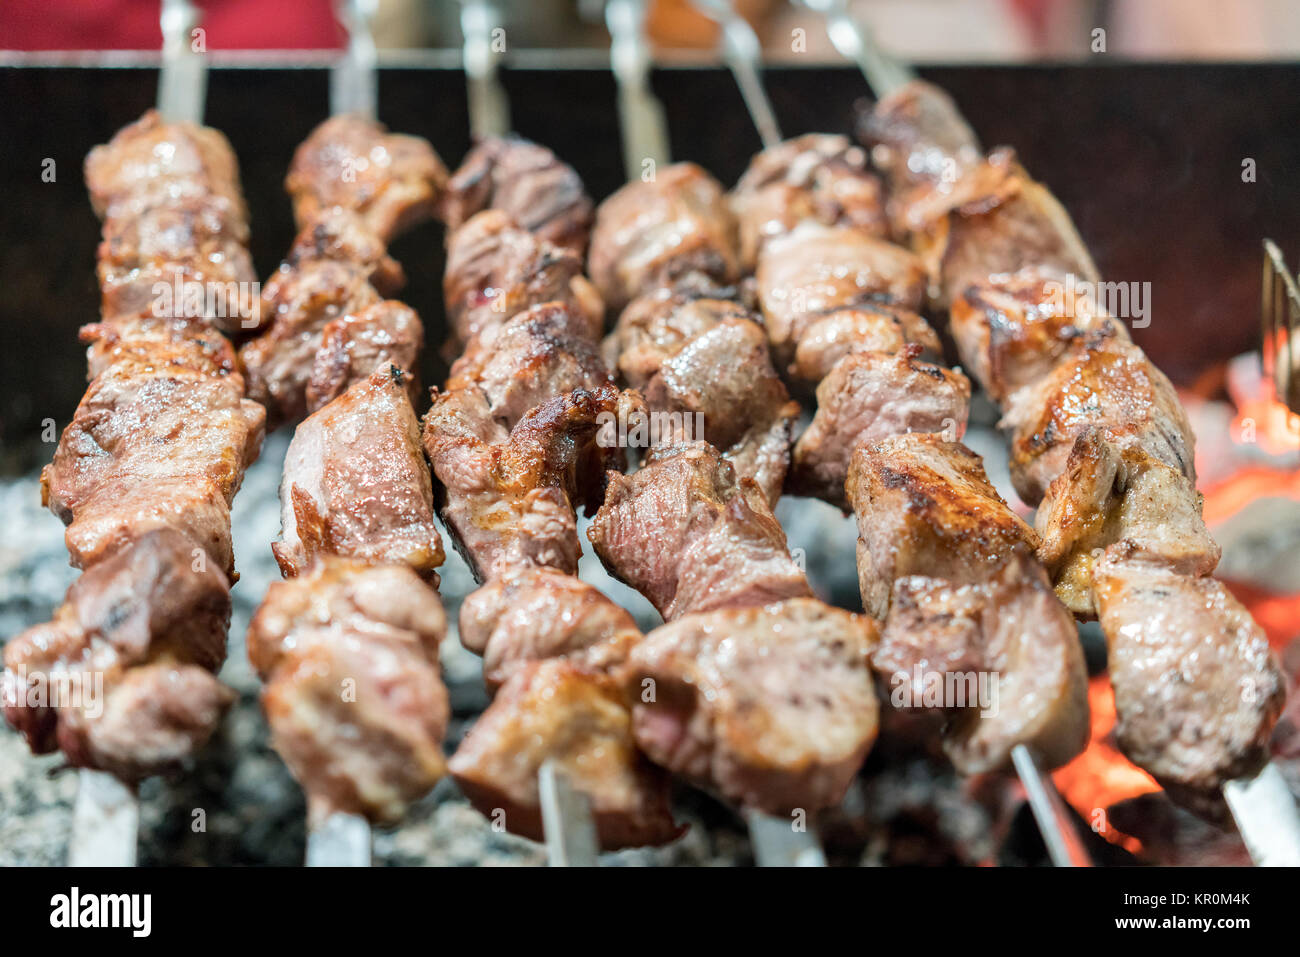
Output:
[[517, 443], [142, 632], [1099, 442], [943, 563], [348, 644], [754, 689]]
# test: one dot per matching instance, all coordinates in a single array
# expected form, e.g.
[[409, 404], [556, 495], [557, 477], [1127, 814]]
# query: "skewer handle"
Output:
[[354, 84], [853, 39], [105, 822], [489, 109], [183, 80], [645, 127], [742, 51], [1054, 822], [1266, 816]]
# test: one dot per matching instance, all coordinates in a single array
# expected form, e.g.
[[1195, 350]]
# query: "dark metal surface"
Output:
[[1148, 158]]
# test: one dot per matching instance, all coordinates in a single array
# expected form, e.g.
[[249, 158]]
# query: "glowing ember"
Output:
[[1102, 777]]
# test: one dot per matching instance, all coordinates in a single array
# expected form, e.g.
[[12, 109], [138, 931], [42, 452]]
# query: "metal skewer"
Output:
[[489, 110], [641, 115], [1266, 816], [570, 830], [741, 50], [853, 39], [1054, 822], [106, 812]]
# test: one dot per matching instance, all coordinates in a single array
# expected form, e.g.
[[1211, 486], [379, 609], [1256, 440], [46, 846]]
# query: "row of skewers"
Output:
[[724, 305]]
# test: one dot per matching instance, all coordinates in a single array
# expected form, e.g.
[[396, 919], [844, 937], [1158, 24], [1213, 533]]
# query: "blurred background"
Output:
[[952, 31]]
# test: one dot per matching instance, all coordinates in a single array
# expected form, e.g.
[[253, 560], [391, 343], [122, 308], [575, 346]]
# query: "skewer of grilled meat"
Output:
[[1099, 442], [753, 689], [347, 645], [944, 564], [144, 474], [327, 324], [518, 439]]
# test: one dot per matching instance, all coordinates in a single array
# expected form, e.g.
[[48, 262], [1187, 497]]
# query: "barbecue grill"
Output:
[[1116, 106]]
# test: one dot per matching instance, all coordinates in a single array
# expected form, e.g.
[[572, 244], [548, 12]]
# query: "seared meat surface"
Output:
[[918, 137], [690, 536], [1196, 688], [773, 707], [356, 483], [706, 360], [866, 398], [352, 346], [496, 270], [392, 181], [539, 613], [655, 232], [820, 177], [123, 678], [349, 655], [527, 183], [866, 327], [509, 494], [553, 711], [108, 482]]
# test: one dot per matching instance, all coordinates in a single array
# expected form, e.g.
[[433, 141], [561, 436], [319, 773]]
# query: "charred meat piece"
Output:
[[186, 259], [867, 327], [356, 483], [122, 678], [153, 163], [541, 613], [925, 507], [392, 181], [525, 181], [1002, 658], [773, 707], [496, 270], [540, 353], [652, 233], [918, 137], [1012, 330], [352, 346], [689, 536], [817, 268], [146, 343], [1106, 382], [704, 369], [508, 495], [866, 398], [357, 708], [1113, 495], [1196, 688], [553, 711], [110, 484], [820, 177]]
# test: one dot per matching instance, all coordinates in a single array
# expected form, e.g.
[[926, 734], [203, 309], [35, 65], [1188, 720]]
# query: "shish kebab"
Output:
[[151, 533], [348, 644], [1099, 441]]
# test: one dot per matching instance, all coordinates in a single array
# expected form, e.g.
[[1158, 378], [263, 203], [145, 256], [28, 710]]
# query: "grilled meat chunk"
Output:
[[553, 711], [539, 613], [1113, 495], [108, 482], [867, 327], [1012, 330], [820, 177], [817, 268], [145, 343], [705, 362], [773, 707], [153, 163], [525, 181], [1196, 688], [1006, 651], [356, 483], [357, 709], [122, 678], [918, 137], [508, 496], [652, 233], [925, 507], [866, 398], [537, 354], [1106, 382], [392, 181], [496, 270], [352, 346], [689, 536]]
